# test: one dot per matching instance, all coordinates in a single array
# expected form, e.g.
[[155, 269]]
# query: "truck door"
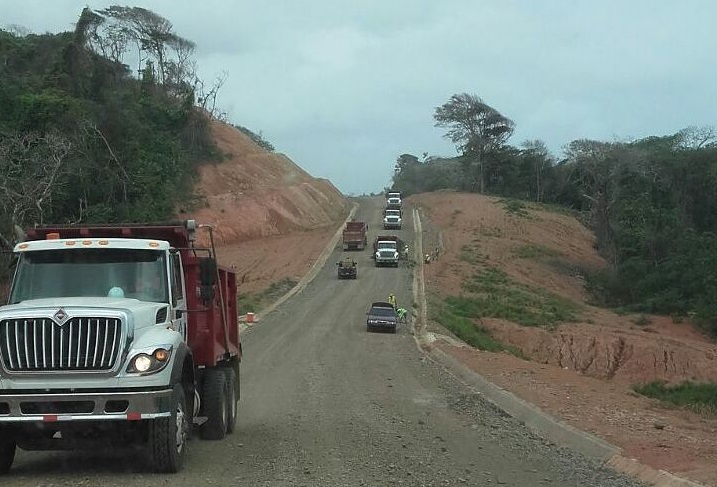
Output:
[[178, 317]]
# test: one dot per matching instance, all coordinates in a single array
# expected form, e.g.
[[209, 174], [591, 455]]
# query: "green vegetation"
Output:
[[255, 302], [469, 254], [464, 327], [490, 293], [701, 398], [515, 207], [652, 202], [85, 137], [535, 251], [84, 140]]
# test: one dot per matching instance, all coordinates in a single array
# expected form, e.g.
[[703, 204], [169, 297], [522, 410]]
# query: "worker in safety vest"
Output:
[[392, 300], [401, 312]]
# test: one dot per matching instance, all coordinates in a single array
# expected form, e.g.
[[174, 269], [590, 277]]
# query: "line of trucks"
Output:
[[118, 335], [386, 248]]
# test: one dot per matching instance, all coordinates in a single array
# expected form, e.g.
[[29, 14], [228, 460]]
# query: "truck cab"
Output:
[[124, 333], [392, 219], [386, 250], [393, 200]]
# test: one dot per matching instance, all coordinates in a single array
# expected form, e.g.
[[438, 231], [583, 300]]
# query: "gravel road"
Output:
[[324, 403]]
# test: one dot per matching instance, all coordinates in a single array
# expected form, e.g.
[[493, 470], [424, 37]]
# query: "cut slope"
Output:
[[271, 217], [580, 372], [551, 252]]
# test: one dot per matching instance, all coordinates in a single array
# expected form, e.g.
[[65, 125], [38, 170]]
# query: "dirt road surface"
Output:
[[324, 403]]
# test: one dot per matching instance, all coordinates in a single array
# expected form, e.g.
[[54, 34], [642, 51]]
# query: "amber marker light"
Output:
[[161, 355]]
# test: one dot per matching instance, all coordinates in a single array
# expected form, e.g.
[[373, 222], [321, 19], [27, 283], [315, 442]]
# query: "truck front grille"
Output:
[[40, 344]]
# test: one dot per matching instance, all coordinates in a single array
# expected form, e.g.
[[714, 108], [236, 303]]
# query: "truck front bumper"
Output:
[[105, 406]]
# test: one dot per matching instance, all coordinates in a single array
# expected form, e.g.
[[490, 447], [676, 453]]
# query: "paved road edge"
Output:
[[536, 419]]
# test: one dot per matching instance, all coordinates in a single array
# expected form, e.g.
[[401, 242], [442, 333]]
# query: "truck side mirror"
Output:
[[207, 271]]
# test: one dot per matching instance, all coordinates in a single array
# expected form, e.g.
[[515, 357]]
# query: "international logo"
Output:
[[60, 316]]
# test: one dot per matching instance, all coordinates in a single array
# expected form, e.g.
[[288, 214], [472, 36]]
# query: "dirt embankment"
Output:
[[271, 217], [552, 252], [580, 372]]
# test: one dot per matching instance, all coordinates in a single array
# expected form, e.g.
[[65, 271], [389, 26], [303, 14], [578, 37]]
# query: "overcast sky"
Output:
[[344, 87]]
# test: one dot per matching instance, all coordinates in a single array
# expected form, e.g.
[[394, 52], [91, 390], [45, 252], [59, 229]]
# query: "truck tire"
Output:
[[168, 436], [215, 404], [232, 399], [7, 451]]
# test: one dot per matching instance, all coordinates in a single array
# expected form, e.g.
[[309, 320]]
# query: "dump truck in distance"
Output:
[[117, 335], [392, 219], [354, 236], [386, 250], [393, 200]]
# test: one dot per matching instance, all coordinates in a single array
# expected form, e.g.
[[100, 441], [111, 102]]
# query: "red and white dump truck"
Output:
[[355, 235], [118, 335]]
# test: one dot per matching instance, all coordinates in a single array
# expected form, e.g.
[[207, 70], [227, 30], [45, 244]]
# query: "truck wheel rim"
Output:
[[181, 430]]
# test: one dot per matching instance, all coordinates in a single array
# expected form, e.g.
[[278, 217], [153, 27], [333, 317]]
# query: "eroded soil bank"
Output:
[[581, 371]]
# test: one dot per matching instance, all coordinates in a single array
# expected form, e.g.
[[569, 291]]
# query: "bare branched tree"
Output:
[[540, 158], [32, 170], [207, 98], [697, 137], [154, 35]]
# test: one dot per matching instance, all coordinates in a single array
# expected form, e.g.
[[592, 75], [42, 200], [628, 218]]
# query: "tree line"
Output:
[[652, 202], [105, 123]]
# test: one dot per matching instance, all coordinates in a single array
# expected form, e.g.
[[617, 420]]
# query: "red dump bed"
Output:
[[355, 235], [208, 338]]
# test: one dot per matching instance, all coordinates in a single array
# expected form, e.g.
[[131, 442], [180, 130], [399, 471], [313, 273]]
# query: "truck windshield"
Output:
[[387, 245], [130, 273]]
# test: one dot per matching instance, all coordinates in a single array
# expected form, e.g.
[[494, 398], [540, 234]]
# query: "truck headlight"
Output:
[[146, 362], [142, 362], [395, 255]]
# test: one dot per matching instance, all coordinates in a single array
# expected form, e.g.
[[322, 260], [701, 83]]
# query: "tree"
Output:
[[476, 128], [538, 158], [32, 169], [152, 33]]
